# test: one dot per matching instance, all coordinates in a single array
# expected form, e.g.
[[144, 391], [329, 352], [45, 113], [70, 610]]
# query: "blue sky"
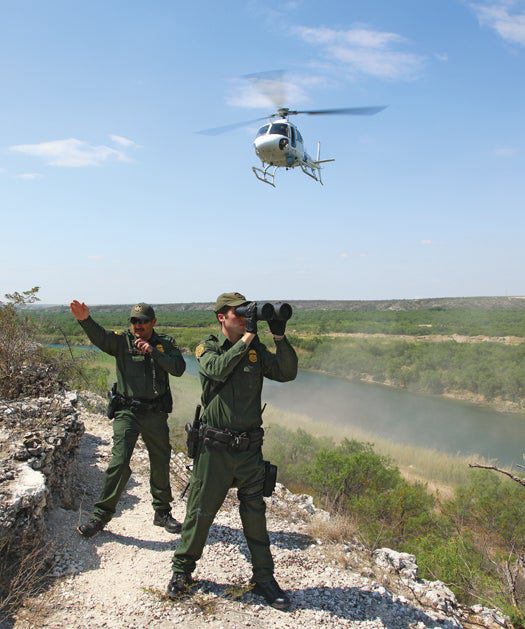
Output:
[[108, 195]]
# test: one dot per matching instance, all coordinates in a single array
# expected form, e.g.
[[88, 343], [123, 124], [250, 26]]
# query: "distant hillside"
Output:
[[399, 305]]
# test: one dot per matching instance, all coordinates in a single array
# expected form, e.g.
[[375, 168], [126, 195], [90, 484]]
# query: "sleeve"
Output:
[[281, 366], [215, 365], [168, 356], [107, 341]]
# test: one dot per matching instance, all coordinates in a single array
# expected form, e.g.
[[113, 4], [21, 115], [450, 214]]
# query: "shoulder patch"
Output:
[[252, 355], [160, 347], [199, 350]]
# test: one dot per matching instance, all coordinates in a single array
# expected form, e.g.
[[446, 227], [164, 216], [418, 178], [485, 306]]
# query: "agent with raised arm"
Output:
[[231, 369], [140, 403]]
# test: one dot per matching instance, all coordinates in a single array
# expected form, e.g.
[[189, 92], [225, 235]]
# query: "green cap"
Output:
[[142, 311], [229, 299]]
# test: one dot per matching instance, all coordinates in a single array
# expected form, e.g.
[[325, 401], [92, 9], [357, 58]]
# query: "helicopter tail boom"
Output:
[[312, 167]]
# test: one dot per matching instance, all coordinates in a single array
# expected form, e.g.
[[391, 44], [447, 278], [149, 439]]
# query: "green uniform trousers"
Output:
[[127, 426], [213, 476]]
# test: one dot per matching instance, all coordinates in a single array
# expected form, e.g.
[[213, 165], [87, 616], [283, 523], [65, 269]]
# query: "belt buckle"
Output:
[[241, 442]]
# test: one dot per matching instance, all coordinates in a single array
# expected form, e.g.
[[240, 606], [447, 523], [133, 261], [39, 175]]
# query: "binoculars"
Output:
[[276, 311]]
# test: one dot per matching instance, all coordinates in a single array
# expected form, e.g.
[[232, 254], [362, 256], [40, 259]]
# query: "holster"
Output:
[[270, 478], [113, 402], [192, 439], [117, 402]]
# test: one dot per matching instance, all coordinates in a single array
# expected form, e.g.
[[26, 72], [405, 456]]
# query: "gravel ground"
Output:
[[118, 579]]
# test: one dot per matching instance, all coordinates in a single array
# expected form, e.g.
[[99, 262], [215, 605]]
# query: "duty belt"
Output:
[[136, 404], [222, 440]]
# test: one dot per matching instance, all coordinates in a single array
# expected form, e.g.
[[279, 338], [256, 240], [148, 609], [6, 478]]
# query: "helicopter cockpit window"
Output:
[[263, 130], [299, 136], [280, 129]]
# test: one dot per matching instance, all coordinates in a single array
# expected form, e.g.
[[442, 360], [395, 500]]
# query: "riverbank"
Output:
[[499, 405], [488, 374]]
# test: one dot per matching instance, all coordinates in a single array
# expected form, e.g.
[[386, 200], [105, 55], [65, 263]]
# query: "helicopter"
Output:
[[279, 143]]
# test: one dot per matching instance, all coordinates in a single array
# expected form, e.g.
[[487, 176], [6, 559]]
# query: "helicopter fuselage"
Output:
[[280, 144]]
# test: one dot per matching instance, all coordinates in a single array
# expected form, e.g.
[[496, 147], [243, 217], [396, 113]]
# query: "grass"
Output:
[[23, 573]]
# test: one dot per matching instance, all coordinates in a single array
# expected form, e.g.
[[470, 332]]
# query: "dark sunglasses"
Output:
[[134, 320]]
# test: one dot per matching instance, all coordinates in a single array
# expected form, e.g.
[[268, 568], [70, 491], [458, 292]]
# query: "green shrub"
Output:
[[393, 517], [456, 561], [353, 468]]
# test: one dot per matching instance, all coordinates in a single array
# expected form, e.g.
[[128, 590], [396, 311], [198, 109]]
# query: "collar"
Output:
[[224, 341], [154, 339]]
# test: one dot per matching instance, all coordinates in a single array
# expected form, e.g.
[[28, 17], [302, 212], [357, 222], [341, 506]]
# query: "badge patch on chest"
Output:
[[160, 348], [252, 356], [199, 350]]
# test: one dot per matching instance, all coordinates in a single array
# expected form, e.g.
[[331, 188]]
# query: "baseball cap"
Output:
[[142, 311], [229, 299]]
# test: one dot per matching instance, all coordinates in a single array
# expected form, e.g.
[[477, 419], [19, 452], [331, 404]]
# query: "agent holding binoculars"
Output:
[[231, 369]]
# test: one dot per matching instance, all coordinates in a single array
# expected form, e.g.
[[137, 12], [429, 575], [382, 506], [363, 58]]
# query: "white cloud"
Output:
[[96, 257], [426, 242], [506, 17], [3, 170], [29, 176], [72, 153], [364, 51], [123, 141]]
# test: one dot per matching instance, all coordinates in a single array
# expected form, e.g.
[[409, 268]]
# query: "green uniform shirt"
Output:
[[139, 376], [232, 379]]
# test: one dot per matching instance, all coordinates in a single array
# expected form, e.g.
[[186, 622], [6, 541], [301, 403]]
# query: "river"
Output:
[[433, 422], [441, 424]]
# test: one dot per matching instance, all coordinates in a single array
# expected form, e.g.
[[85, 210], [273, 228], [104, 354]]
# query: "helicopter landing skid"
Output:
[[314, 173], [264, 174]]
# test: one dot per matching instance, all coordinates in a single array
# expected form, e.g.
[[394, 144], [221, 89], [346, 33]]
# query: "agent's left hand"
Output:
[[277, 328], [251, 318]]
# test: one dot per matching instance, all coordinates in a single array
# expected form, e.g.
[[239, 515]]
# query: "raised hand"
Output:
[[79, 310]]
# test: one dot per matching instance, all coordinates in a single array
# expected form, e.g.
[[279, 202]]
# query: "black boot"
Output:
[[164, 518], [180, 583], [272, 593], [91, 528]]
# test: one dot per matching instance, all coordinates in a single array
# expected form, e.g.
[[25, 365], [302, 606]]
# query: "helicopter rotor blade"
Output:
[[349, 111], [230, 127], [271, 84]]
